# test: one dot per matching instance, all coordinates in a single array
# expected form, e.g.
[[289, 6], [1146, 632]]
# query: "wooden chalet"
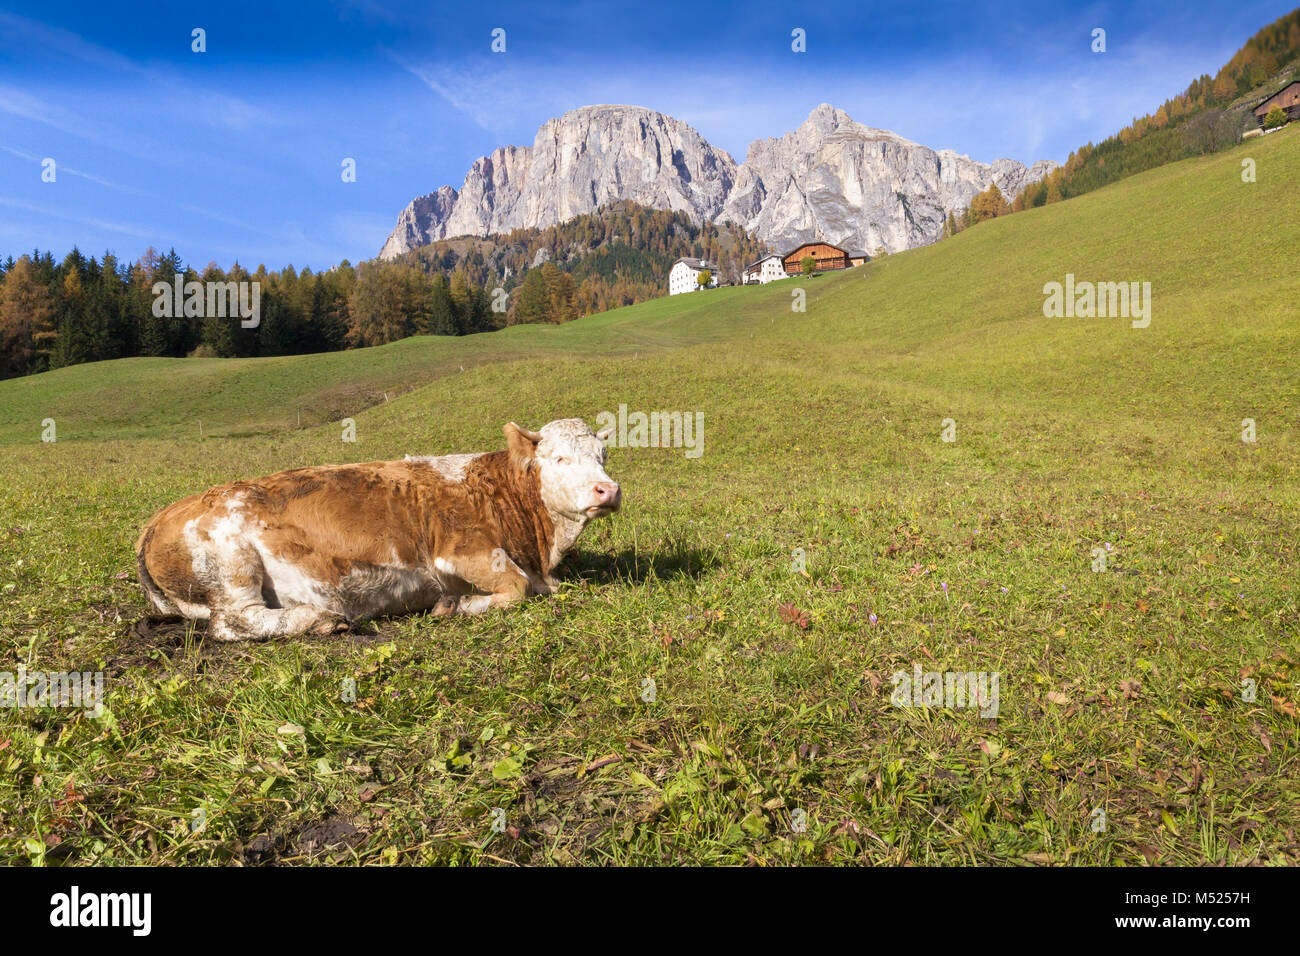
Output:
[[829, 258], [1287, 99]]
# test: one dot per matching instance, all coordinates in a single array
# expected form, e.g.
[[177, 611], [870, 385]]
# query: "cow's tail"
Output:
[[153, 594]]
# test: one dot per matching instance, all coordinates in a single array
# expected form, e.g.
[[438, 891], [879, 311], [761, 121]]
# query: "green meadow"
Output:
[[714, 682]]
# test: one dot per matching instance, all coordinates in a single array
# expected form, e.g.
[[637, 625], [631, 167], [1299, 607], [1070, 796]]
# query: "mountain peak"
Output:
[[831, 179], [587, 158], [827, 116], [605, 109]]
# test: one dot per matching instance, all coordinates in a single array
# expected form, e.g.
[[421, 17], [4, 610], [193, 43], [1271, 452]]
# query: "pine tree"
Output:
[[441, 318], [160, 332], [530, 304], [26, 318]]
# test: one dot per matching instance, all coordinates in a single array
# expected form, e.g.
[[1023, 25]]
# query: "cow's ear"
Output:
[[521, 442], [604, 433]]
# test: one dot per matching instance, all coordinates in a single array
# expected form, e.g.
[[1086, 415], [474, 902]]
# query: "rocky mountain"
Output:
[[832, 179], [583, 160], [858, 187]]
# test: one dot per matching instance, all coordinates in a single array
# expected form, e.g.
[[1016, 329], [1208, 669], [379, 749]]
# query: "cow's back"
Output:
[[322, 522]]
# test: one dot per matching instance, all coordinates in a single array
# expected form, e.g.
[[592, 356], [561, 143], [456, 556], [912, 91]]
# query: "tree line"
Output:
[[618, 255], [82, 309]]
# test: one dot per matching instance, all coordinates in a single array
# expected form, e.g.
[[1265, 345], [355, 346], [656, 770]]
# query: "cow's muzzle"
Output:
[[607, 496]]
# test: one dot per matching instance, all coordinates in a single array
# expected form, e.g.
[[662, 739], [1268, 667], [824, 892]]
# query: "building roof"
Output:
[[696, 263], [815, 242], [758, 262], [1274, 94]]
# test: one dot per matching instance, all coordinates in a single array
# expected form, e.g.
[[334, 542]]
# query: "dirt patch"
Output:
[[328, 840], [149, 643], [557, 792], [159, 642]]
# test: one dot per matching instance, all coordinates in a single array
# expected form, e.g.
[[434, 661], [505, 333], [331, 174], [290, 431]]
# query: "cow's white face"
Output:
[[571, 463]]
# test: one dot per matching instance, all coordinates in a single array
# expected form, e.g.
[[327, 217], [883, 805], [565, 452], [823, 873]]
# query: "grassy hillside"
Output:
[[165, 397], [1210, 114], [1120, 691]]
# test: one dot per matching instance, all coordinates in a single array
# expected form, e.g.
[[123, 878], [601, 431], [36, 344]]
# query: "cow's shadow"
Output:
[[638, 567]]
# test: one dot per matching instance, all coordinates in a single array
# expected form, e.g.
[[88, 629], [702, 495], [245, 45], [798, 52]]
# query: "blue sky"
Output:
[[235, 153]]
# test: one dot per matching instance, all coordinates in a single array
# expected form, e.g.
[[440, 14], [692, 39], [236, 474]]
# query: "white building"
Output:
[[683, 276], [765, 270]]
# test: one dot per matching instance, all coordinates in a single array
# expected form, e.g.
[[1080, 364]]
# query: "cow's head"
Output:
[[570, 460]]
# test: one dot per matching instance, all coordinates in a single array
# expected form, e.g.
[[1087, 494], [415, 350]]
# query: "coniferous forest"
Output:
[[60, 312]]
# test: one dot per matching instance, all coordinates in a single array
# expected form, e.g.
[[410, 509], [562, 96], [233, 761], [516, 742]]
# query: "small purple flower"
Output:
[[872, 617]]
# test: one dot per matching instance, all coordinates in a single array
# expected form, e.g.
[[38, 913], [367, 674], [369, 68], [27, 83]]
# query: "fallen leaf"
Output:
[[792, 615]]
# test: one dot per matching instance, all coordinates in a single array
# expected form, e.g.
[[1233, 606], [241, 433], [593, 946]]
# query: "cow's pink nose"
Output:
[[607, 493]]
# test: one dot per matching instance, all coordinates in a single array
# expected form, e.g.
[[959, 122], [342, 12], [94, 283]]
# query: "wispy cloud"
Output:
[[227, 220], [23, 105], [19, 33], [216, 108], [116, 226], [61, 169], [233, 113], [498, 100]]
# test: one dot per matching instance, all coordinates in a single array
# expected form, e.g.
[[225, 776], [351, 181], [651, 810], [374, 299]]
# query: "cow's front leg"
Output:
[[497, 579]]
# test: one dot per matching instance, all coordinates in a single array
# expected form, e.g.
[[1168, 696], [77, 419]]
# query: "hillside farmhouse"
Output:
[[684, 275], [828, 258], [765, 270], [1287, 99]]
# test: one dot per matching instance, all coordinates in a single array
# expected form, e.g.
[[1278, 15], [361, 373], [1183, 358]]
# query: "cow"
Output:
[[313, 550]]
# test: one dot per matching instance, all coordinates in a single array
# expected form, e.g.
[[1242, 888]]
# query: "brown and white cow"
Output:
[[308, 550]]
